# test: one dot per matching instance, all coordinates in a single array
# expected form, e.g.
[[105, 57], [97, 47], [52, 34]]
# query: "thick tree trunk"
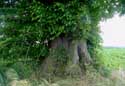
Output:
[[60, 42], [84, 56], [80, 52], [77, 50]]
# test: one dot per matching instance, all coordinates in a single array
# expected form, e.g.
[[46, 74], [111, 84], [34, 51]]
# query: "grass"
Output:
[[113, 58]]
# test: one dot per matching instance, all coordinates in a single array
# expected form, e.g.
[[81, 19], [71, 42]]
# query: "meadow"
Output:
[[113, 58]]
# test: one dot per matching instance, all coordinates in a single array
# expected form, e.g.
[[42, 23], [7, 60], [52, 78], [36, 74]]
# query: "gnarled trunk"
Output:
[[77, 50]]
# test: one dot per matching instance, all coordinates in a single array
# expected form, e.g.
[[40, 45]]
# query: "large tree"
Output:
[[36, 28]]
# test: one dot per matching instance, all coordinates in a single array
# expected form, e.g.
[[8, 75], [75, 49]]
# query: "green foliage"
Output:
[[60, 19], [24, 69], [2, 82], [11, 75], [60, 59], [35, 24]]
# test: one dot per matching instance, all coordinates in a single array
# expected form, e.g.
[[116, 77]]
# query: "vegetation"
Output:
[[52, 38], [36, 25], [113, 58]]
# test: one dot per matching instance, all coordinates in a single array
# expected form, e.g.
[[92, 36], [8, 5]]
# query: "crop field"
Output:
[[113, 58]]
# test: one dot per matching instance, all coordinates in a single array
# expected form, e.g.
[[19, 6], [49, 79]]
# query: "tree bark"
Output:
[[77, 50]]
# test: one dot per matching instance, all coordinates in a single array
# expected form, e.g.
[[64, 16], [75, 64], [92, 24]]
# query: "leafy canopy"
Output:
[[32, 24]]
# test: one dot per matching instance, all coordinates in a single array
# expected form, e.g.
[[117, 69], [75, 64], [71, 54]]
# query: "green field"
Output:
[[113, 58]]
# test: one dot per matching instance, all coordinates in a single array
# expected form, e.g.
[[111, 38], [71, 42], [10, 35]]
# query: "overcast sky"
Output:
[[113, 31]]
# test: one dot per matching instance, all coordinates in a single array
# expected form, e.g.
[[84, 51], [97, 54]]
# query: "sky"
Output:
[[113, 31]]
